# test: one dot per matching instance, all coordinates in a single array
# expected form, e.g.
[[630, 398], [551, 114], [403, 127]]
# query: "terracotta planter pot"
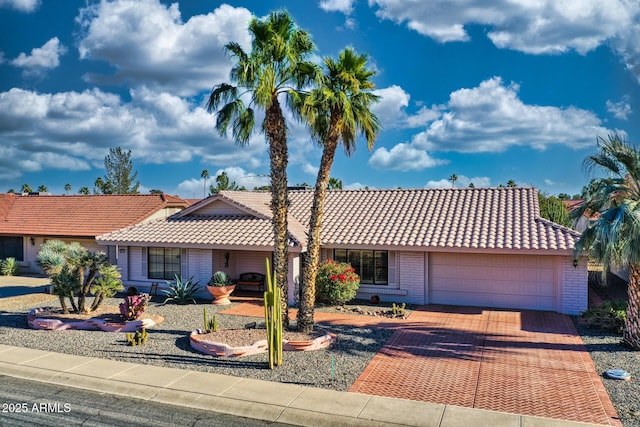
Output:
[[221, 294]]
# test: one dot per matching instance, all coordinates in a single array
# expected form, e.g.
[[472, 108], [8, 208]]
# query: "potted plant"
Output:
[[220, 286]]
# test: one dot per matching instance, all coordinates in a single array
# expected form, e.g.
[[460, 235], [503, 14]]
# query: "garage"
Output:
[[504, 281]]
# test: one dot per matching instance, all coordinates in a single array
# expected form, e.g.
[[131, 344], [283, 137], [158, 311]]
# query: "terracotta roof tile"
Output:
[[79, 215], [473, 219]]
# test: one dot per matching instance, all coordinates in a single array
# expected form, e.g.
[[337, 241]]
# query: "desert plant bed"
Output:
[[107, 319]]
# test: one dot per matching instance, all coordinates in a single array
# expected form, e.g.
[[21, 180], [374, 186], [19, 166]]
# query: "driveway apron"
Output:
[[524, 362]]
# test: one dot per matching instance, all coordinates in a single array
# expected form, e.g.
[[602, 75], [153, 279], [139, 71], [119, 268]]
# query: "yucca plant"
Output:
[[181, 291], [9, 267], [106, 285]]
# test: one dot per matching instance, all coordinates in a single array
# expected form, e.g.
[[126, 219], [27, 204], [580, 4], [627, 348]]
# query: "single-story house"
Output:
[[28, 220], [477, 247]]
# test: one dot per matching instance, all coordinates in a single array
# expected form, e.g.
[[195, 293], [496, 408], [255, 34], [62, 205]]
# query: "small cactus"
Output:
[[210, 323], [398, 310], [138, 338]]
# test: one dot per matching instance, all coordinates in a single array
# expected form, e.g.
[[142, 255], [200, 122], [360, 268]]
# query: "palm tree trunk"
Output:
[[631, 334], [63, 304], [275, 129], [311, 261]]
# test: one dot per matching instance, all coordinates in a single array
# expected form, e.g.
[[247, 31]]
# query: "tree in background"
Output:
[[511, 184], [26, 188], [337, 110], [120, 178], [67, 188], [472, 185], [334, 184], [43, 189], [276, 65], [614, 238], [223, 183], [453, 178], [84, 191], [204, 175], [553, 209], [156, 191]]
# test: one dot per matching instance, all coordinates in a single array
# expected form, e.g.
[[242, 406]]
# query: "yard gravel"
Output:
[[336, 367], [607, 352]]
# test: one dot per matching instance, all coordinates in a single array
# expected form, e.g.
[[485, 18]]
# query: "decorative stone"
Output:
[[93, 324]]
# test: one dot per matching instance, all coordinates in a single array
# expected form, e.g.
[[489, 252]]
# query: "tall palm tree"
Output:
[[67, 188], [204, 175], [453, 178], [614, 238], [337, 110], [276, 66]]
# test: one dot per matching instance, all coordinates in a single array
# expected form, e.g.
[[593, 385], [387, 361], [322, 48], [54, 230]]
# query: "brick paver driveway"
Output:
[[524, 362]]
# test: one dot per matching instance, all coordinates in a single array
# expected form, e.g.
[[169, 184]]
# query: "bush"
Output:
[[336, 283], [608, 316], [134, 305], [9, 267]]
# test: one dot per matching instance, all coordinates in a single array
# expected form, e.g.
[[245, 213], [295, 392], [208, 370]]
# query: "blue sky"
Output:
[[489, 91]]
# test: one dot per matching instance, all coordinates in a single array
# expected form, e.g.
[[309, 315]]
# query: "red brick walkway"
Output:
[[524, 362]]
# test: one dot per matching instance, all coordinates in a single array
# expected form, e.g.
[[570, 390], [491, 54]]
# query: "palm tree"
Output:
[[614, 238], [453, 178], [67, 188], [43, 189], [334, 184], [84, 191], [26, 188], [204, 175], [511, 184], [275, 66], [337, 110]]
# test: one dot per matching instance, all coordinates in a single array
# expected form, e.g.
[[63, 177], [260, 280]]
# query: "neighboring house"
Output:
[[27, 221], [477, 247]]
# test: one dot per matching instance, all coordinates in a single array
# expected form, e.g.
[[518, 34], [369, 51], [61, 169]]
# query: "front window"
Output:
[[11, 247], [164, 263], [371, 266]]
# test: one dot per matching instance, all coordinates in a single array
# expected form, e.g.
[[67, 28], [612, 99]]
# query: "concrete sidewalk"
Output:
[[250, 398]]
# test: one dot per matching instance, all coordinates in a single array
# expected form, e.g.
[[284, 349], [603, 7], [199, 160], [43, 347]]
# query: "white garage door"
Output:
[[507, 281]]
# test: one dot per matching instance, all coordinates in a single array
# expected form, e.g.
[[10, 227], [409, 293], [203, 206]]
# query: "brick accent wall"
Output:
[[574, 286], [412, 276]]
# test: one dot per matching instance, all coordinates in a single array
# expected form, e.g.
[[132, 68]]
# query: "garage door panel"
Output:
[[505, 281]]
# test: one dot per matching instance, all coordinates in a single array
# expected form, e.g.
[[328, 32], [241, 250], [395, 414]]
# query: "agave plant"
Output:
[[219, 279], [181, 292]]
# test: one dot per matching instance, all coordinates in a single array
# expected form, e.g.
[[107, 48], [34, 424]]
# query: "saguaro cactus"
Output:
[[273, 319]]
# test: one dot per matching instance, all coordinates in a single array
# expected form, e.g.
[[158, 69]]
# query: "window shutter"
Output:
[[145, 269]]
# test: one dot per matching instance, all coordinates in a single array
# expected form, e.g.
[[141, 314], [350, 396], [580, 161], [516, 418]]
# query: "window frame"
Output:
[[163, 270], [375, 268]]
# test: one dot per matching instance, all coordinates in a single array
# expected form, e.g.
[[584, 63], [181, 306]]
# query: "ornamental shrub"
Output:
[[134, 305], [336, 282], [608, 316]]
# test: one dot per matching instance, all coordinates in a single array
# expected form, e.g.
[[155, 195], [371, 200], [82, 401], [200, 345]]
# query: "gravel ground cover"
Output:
[[334, 368], [608, 353]]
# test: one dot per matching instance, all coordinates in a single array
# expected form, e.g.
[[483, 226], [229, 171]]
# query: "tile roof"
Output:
[[446, 219], [78, 215], [479, 218]]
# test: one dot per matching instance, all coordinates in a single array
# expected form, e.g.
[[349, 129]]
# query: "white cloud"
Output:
[[41, 58], [621, 109], [194, 187], [403, 157], [391, 109], [491, 118], [461, 182], [72, 130], [21, 5], [147, 42], [358, 186], [343, 6], [531, 26], [310, 169]]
